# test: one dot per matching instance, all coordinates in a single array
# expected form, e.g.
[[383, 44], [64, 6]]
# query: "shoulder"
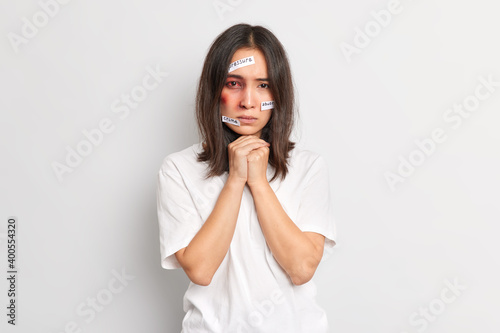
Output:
[[304, 158], [308, 168], [186, 158]]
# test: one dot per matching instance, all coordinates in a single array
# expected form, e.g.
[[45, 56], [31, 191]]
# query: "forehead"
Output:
[[258, 69]]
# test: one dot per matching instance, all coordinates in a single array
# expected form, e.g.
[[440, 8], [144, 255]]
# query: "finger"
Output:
[[261, 152], [251, 142], [240, 141], [252, 146], [248, 138]]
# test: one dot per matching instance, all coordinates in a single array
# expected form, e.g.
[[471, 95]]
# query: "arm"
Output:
[[206, 251], [298, 253], [204, 254]]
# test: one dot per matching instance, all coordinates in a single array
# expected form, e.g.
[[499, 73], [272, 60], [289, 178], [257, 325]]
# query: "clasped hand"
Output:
[[248, 157]]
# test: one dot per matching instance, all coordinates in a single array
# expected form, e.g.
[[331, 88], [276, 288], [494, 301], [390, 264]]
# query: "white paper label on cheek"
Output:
[[241, 63], [230, 120], [266, 105]]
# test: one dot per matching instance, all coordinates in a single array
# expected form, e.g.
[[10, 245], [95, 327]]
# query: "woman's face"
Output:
[[244, 91]]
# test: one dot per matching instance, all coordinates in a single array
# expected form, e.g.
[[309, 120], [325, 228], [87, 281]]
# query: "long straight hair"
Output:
[[214, 133]]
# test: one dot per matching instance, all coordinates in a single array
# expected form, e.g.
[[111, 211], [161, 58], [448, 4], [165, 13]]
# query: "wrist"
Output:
[[236, 181], [262, 185]]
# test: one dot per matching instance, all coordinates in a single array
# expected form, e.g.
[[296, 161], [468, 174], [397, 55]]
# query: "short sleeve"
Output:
[[178, 218], [315, 212]]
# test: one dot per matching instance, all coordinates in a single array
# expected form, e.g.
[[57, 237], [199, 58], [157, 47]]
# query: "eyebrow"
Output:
[[236, 76]]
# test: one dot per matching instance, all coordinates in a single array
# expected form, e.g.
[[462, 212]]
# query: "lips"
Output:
[[247, 119]]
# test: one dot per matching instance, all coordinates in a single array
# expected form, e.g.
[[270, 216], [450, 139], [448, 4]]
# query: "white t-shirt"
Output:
[[249, 292]]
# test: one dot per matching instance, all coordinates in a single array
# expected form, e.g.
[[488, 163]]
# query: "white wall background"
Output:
[[397, 247]]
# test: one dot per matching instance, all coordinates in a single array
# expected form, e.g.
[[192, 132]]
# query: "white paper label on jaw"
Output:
[[230, 120], [266, 105], [241, 63]]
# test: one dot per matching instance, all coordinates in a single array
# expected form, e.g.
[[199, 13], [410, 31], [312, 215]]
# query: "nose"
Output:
[[248, 98]]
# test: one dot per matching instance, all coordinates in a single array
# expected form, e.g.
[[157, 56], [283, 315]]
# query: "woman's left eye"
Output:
[[264, 85]]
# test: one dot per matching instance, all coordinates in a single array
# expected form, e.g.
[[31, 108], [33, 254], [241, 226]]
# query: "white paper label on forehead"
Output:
[[266, 105], [241, 63], [230, 120]]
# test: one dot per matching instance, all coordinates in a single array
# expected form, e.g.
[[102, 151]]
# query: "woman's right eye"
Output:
[[231, 84]]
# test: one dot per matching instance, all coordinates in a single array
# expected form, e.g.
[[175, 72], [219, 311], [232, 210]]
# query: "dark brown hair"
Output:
[[277, 131]]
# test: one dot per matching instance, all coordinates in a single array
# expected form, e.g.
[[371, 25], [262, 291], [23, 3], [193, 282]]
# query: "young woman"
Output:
[[245, 213]]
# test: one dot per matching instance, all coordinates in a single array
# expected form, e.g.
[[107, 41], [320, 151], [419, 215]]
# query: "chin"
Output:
[[248, 132], [244, 130]]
